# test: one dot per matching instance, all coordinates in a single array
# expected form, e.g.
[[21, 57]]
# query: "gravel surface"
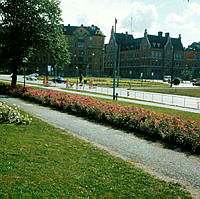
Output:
[[154, 158]]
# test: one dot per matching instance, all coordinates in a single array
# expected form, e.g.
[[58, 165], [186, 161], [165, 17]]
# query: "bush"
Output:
[[170, 129], [10, 115], [176, 81]]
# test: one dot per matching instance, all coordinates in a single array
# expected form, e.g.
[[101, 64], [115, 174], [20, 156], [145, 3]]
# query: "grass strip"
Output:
[[41, 161], [191, 92]]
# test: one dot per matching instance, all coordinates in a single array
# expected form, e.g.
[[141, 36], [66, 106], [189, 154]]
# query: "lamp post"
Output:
[[25, 61], [141, 77], [115, 62], [77, 70], [86, 70], [172, 68], [152, 74]]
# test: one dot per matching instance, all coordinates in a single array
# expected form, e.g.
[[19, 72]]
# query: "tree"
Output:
[[30, 25], [186, 73]]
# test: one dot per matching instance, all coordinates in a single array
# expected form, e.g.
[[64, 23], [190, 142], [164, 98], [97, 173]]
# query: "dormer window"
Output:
[[158, 45], [154, 44]]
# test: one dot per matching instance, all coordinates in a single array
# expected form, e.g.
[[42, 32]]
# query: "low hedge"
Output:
[[170, 129]]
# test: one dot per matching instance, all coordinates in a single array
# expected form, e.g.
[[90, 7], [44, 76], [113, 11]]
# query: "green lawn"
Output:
[[41, 161], [192, 92]]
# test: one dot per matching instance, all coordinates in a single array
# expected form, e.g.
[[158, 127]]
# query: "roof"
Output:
[[93, 30], [194, 46], [160, 42], [126, 41]]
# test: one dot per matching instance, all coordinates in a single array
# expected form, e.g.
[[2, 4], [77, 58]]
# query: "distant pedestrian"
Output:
[[67, 83], [77, 84], [81, 78]]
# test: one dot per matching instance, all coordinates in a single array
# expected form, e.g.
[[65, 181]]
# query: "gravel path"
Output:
[[164, 163]]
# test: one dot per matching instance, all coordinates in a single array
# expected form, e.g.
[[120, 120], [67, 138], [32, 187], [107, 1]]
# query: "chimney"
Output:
[[68, 24], [126, 33], [81, 25], [166, 34], [179, 36], [160, 34]]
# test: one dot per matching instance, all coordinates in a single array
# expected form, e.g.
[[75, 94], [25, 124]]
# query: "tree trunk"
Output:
[[15, 66]]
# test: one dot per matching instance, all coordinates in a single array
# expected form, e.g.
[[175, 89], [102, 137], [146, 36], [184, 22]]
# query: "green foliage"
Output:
[[47, 162], [176, 81], [29, 25], [186, 73]]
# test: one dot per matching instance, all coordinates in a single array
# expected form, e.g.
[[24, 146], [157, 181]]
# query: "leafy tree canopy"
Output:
[[27, 25]]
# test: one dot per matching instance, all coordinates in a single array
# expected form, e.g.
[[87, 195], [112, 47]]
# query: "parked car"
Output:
[[167, 78], [34, 74], [30, 77], [58, 80], [196, 83]]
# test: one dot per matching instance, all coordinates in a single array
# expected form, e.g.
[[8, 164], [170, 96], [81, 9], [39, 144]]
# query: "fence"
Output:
[[175, 100]]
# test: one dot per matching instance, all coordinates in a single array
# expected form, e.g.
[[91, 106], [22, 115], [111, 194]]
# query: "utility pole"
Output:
[[118, 65], [172, 68], [115, 61]]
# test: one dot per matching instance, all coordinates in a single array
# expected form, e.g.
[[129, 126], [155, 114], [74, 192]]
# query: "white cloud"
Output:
[[188, 23], [176, 18], [143, 16], [103, 12]]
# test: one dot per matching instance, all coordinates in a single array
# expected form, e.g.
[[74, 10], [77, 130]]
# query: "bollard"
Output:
[[116, 96], [198, 105]]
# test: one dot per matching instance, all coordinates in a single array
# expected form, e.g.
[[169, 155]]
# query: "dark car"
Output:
[[196, 83], [58, 80]]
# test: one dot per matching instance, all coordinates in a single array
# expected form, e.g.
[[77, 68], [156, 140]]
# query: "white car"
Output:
[[30, 77], [34, 74]]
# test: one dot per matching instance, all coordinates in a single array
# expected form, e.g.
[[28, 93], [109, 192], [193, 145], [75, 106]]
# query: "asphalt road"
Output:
[[153, 157]]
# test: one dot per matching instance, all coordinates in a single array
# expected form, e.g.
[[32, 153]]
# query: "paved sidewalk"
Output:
[[164, 163]]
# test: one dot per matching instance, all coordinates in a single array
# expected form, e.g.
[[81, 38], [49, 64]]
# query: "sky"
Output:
[[134, 16]]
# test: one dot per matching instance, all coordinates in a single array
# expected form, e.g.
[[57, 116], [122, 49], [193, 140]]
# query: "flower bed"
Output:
[[170, 129], [10, 114]]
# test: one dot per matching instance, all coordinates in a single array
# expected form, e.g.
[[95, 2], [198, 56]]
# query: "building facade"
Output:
[[192, 59], [86, 45], [151, 56]]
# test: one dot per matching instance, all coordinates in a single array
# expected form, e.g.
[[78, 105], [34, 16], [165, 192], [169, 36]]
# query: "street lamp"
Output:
[[141, 77], [152, 74], [77, 70], [172, 67], [86, 71], [24, 61]]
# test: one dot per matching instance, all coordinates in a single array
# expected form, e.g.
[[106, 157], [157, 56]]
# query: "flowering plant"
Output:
[[9, 114], [170, 129]]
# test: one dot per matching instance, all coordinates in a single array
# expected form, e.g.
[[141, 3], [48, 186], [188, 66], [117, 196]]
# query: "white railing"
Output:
[[175, 100]]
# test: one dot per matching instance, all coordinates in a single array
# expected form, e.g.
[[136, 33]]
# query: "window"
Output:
[[80, 45], [71, 45], [90, 38], [71, 38], [90, 46]]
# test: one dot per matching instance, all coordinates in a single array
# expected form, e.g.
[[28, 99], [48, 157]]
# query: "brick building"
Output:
[[192, 59], [86, 45], [151, 56]]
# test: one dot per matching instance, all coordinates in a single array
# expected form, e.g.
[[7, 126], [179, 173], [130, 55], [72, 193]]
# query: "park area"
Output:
[[38, 160]]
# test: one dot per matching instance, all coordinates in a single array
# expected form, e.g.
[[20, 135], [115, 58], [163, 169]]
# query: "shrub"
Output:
[[170, 129], [10, 115]]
